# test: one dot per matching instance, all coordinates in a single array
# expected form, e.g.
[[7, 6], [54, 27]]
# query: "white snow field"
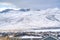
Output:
[[24, 20]]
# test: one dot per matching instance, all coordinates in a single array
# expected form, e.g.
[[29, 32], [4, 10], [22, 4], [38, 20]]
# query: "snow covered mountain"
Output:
[[27, 19], [8, 10]]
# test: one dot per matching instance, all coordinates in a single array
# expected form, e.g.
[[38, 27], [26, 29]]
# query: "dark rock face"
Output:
[[24, 10], [6, 10]]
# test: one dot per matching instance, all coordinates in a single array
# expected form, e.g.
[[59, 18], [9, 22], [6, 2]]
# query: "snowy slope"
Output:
[[21, 20]]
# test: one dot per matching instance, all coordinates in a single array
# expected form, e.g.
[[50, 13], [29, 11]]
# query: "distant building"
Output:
[[50, 38]]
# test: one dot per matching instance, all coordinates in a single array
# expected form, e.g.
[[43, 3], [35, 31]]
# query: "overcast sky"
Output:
[[34, 4]]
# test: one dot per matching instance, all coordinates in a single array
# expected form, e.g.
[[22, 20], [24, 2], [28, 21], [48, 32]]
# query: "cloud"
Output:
[[6, 5]]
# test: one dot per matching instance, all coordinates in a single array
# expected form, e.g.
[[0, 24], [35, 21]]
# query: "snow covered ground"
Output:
[[23, 20]]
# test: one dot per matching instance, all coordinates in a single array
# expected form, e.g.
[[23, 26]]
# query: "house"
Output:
[[50, 38]]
